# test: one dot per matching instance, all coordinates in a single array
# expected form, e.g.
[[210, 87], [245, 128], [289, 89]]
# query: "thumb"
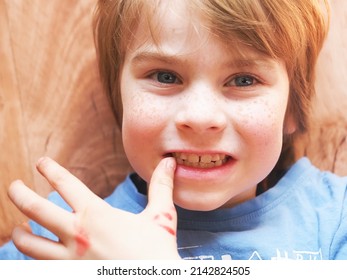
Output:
[[160, 190]]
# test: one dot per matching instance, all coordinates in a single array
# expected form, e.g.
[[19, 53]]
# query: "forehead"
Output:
[[174, 28], [165, 24]]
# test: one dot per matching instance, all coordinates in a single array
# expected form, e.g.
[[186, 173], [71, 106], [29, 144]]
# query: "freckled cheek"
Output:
[[138, 140], [140, 132], [263, 128], [143, 112], [141, 122], [144, 122]]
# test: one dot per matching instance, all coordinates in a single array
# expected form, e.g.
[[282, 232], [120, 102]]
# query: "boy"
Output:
[[209, 96]]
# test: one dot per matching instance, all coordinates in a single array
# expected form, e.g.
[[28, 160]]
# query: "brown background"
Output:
[[51, 101]]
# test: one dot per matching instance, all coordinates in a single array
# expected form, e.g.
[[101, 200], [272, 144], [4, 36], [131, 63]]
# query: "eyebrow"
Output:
[[253, 61], [145, 56]]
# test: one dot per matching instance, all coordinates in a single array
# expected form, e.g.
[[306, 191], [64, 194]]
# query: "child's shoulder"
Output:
[[318, 186], [329, 179], [304, 171]]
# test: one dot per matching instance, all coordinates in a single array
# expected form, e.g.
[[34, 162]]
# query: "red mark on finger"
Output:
[[168, 216], [164, 216], [169, 230], [82, 242]]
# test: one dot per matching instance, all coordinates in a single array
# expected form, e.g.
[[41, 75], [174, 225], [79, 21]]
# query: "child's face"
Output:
[[190, 96]]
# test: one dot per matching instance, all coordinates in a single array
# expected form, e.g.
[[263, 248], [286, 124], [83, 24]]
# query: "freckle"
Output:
[[82, 243]]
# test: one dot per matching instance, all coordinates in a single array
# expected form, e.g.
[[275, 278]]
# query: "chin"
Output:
[[195, 203]]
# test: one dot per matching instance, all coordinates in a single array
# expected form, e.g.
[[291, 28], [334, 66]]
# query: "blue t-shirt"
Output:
[[303, 216]]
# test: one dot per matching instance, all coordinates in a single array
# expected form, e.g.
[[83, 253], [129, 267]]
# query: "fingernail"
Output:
[[41, 160], [171, 163], [17, 181], [40, 163]]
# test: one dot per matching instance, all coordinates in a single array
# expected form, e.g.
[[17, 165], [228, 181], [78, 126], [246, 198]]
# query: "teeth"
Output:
[[200, 161], [215, 157], [206, 158], [193, 158]]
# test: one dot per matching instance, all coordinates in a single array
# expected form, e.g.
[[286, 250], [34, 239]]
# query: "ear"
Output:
[[290, 125]]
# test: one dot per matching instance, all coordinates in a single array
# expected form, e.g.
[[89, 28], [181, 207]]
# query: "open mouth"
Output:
[[200, 161]]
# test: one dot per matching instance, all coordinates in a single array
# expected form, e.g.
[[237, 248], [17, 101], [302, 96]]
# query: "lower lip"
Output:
[[205, 174]]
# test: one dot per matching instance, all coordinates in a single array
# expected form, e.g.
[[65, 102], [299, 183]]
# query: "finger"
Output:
[[26, 226], [73, 191], [160, 190], [38, 247], [160, 207], [40, 210]]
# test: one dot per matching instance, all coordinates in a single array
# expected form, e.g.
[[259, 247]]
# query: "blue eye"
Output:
[[242, 81], [166, 78]]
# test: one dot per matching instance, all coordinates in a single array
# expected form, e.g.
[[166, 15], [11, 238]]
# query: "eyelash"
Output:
[[177, 80]]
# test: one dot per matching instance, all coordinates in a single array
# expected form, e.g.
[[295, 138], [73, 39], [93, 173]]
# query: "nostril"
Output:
[[214, 128], [202, 124], [185, 126]]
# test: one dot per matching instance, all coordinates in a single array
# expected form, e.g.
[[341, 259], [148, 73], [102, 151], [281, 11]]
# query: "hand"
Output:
[[95, 230]]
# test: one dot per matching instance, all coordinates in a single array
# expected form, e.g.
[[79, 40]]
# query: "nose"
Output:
[[201, 111]]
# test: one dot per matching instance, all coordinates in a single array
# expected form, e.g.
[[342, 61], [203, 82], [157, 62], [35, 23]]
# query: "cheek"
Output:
[[143, 125], [262, 133], [143, 109], [262, 126], [139, 119], [136, 139]]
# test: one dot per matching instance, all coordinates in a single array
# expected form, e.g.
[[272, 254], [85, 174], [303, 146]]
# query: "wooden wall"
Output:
[[51, 101], [326, 144]]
